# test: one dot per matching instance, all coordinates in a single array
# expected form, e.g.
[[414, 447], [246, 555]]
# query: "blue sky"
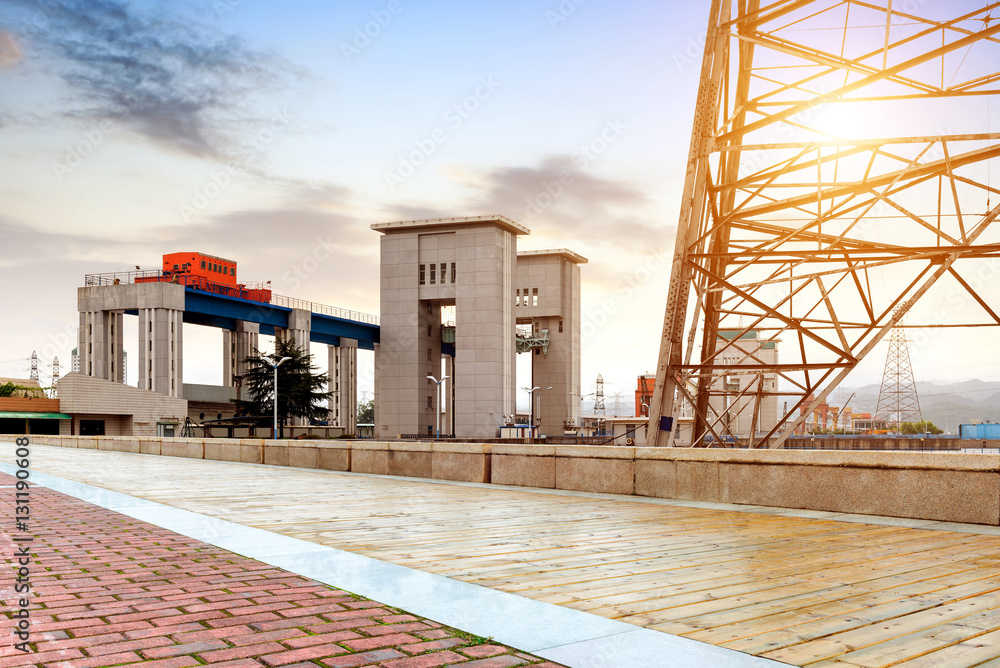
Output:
[[260, 131]]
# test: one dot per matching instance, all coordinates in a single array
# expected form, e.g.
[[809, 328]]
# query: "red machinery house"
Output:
[[213, 269], [209, 273]]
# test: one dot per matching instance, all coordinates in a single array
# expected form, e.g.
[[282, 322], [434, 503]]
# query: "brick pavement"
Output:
[[110, 590]]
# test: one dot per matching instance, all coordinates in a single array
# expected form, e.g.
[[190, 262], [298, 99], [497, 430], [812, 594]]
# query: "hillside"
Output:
[[945, 404]]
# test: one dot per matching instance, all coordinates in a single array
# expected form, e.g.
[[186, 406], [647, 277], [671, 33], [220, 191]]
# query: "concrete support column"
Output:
[[116, 348], [343, 365], [376, 393], [237, 345], [299, 326], [92, 343], [161, 358], [448, 419], [100, 345]]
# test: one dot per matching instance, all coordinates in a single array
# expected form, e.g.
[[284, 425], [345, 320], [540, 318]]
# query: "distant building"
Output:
[[735, 391], [33, 414], [644, 387], [982, 432]]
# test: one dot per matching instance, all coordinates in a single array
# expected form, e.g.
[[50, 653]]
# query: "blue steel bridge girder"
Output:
[[212, 310]]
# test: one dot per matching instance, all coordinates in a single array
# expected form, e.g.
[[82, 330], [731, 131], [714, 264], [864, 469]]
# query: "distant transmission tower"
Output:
[[34, 366], [897, 399], [617, 403], [599, 397], [599, 409], [55, 376]]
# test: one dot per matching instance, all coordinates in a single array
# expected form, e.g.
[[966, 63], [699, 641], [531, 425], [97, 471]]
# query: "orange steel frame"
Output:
[[784, 224]]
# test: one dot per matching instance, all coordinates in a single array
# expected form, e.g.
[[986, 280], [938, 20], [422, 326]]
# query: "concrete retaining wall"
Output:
[[952, 487]]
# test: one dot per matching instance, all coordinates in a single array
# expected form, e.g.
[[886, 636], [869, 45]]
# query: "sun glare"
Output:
[[843, 121]]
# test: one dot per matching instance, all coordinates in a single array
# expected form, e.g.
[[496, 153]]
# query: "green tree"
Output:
[[9, 389], [300, 387], [922, 427], [366, 412]]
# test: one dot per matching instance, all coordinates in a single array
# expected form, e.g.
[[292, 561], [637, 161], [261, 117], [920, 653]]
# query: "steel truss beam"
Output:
[[793, 230]]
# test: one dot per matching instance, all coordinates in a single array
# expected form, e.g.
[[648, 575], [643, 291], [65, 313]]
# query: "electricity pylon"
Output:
[[897, 398], [838, 169]]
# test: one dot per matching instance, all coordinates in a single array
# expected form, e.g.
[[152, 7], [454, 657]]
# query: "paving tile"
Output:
[[117, 590]]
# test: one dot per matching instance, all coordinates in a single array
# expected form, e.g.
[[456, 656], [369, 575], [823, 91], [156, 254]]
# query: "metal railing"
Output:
[[193, 281], [120, 277], [323, 309]]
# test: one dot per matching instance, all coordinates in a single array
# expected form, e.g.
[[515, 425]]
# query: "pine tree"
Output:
[[300, 387]]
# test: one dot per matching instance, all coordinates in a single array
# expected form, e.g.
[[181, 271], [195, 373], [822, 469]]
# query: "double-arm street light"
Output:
[[531, 399], [274, 432], [443, 378]]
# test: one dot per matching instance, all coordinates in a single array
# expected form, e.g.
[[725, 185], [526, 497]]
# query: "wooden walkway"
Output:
[[803, 591]]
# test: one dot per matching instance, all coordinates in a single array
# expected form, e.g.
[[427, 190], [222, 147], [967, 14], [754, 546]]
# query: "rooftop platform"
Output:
[[437, 224], [799, 587]]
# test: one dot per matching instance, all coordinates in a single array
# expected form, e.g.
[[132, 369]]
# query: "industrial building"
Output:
[[473, 264], [736, 393], [505, 302], [983, 432], [29, 411], [200, 289]]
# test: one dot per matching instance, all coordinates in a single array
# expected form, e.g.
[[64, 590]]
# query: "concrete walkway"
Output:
[[211, 606], [112, 590]]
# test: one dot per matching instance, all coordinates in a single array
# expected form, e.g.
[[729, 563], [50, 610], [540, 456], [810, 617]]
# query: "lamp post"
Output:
[[274, 432], [581, 397], [443, 378], [531, 403]]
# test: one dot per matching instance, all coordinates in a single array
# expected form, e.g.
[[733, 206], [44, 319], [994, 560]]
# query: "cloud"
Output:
[[560, 197], [307, 252], [166, 77], [10, 50]]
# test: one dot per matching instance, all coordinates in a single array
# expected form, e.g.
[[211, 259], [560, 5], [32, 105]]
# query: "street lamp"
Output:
[[443, 378], [274, 432], [531, 403]]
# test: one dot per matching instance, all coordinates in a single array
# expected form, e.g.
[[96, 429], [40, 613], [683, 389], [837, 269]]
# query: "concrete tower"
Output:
[[547, 298], [426, 264]]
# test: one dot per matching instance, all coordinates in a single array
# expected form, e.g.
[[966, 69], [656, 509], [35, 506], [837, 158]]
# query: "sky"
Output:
[[275, 134]]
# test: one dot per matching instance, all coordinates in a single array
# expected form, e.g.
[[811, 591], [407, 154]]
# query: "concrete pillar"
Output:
[[92, 342], [161, 358], [484, 331], [343, 371], [299, 327], [100, 345], [375, 380], [298, 331], [448, 419], [237, 345]]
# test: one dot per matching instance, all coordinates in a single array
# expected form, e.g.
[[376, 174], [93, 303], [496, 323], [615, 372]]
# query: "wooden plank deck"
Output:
[[804, 591]]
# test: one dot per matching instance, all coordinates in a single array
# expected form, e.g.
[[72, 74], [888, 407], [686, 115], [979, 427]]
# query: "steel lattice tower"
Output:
[[897, 398], [34, 366], [55, 376], [599, 397], [838, 170]]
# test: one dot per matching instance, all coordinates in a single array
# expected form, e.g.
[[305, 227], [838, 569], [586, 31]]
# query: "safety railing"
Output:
[[323, 309], [255, 292]]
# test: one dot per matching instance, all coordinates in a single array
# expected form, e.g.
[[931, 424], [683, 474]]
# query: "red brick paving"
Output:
[[111, 590]]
